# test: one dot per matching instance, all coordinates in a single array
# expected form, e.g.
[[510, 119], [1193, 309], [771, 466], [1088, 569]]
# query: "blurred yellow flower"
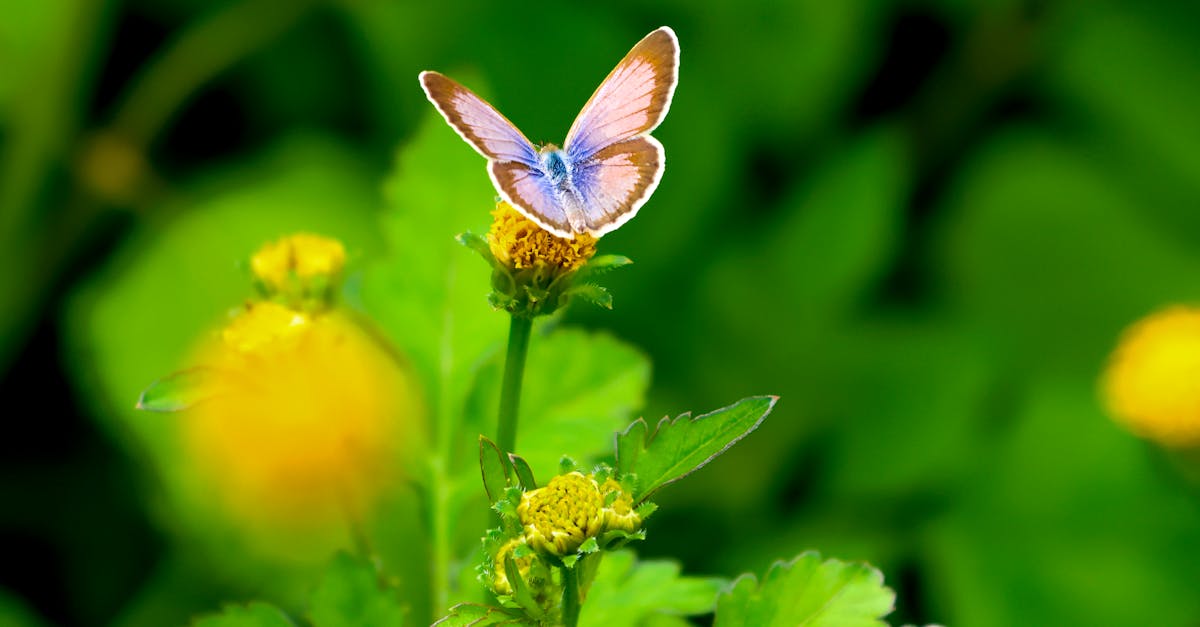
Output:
[[518, 242], [1152, 384], [298, 264], [303, 422]]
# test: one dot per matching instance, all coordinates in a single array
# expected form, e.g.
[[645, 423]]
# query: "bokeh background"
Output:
[[923, 224]]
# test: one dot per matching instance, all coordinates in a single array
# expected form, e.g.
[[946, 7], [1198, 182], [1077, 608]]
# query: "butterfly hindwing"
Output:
[[632, 100], [617, 180], [530, 191], [477, 122]]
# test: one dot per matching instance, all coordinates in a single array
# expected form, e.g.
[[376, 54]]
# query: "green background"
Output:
[[922, 224]]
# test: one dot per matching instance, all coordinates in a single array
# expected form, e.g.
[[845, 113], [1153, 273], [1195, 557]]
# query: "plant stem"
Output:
[[510, 391], [570, 598]]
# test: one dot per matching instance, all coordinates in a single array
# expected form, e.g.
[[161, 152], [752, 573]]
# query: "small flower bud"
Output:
[[1151, 385], [300, 270]]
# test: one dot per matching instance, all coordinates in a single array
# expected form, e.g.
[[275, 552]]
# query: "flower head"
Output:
[[572, 508], [299, 267], [535, 272], [564, 513], [1152, 384], [519, 243], [302, 417]]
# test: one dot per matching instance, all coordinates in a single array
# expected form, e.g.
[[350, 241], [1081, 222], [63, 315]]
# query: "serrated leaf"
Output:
[[496, 474], [351, 593], [177, 391], [808, 591], [475, 615], [592, 293], [523, 471], [681, 446], [628, 592], [602, 264], [255, 614]]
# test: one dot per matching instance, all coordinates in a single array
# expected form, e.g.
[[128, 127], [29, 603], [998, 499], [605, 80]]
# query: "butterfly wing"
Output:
[[477, 122], [615, 181], [529, 190], [513, 163], [632, 100]]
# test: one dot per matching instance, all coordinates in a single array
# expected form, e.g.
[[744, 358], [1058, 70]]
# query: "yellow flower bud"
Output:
[[299, 266], [1152, 384], [560, 516]]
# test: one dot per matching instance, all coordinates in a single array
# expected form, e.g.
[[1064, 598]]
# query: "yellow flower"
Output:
[[519, 243], [303, 420], [299, 264], [619, 513], [560, 516], [1152, 384]]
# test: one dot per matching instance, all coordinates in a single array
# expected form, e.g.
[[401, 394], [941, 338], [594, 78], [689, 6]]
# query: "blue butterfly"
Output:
[[609, 164]]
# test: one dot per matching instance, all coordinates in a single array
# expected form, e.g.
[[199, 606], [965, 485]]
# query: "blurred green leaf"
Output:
[[176, 391], [472, 615], [429, 294], [1111, 535], [352, 594], [679, 447], [628, 592], [1050, 256], [1114, 66], [807, 591], [14, 613], [250, 615]]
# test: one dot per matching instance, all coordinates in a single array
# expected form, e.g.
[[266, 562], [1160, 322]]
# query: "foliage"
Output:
[[808, 591]]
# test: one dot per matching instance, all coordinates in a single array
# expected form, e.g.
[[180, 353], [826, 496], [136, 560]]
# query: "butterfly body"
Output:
[[609, 164]]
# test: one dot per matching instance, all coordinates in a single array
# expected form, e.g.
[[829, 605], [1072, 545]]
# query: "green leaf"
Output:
[[473, 615], [523, 471], [255, 614], [593, 294], [351, 594], [477, 243], [807, 591], [579, 388], [679, 447], [176, 391], [628, 592], [521, 592], [601, 264], [496, 474]]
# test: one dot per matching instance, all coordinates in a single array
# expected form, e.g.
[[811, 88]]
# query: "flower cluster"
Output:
[[535, 272], [572, 517], [296, 414]]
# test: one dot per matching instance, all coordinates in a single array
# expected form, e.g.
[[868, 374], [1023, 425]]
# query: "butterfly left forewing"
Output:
[[632, 100], [617, 180], [476, 121]]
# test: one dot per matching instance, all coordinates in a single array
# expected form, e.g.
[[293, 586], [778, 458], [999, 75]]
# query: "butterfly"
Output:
[[608, 165]]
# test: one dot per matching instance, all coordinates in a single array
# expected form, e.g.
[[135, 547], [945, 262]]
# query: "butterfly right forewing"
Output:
[[632, 100]]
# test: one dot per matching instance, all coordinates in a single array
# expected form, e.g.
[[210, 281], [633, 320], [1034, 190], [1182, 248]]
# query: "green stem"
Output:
[[510, 391], [570, 598]]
